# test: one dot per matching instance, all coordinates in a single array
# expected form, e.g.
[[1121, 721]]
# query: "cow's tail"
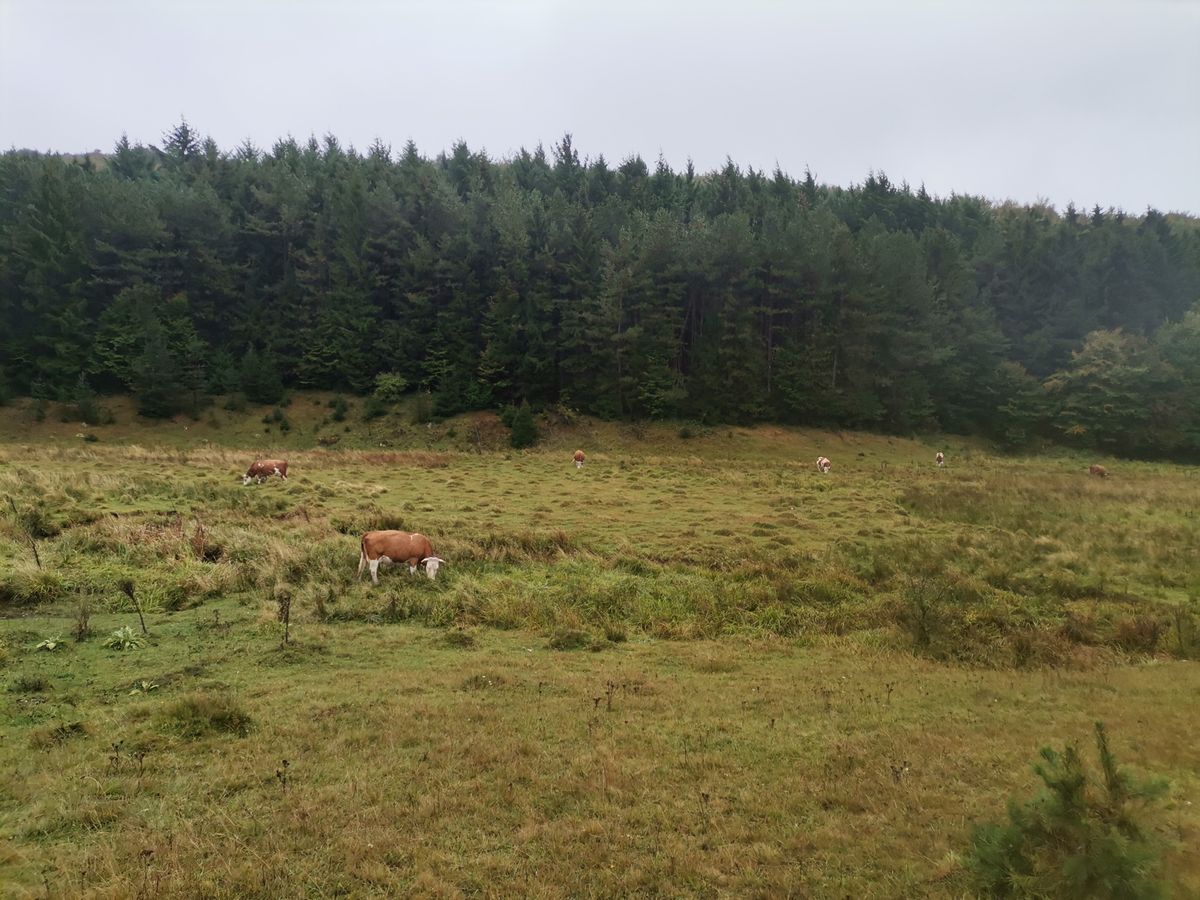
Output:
[[362, 557]]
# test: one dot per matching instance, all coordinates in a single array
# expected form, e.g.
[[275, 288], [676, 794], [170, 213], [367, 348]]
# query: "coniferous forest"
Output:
[[621, 290]]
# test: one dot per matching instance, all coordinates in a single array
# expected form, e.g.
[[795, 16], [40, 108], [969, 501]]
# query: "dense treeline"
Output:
[[625, 291]]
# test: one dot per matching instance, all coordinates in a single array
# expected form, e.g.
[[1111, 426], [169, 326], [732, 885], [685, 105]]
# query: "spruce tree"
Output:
[[524, 429], [157, 379], [735, 295], [83, 398], [194, 372], [260, 380]]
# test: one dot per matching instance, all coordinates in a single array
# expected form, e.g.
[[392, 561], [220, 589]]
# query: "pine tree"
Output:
[[260, 380], [735, 295], [193, 376], [1079, 837], [182, 147], [156, 378], [83, 398], [524, 429]]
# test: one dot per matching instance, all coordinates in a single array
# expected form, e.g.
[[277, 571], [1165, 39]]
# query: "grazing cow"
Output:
[[940, 459], [579, 458], [394, 547], [1098, 471], [265, 468], [823, 464]]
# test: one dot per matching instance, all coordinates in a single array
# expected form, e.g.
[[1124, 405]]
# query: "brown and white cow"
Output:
[[389, 547], [940, 459], [823, 464], [1098, 471], [579, 458], [265, 468]]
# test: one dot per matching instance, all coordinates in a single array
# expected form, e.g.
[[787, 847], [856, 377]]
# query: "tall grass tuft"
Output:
[[203, 713]]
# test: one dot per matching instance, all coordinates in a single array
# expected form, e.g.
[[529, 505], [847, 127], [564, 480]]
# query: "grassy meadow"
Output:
[[695, 667]]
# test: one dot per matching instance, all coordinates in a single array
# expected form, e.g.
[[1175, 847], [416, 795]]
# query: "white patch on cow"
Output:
[[431, 566]]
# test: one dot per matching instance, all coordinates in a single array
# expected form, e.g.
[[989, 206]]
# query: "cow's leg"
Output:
[[374, 571]]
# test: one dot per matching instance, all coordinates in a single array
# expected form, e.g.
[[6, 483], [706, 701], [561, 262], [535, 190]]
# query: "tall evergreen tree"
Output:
[[733, 295], [156, 378]]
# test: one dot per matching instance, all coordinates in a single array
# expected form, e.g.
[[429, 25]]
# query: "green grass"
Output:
[[694, 667]]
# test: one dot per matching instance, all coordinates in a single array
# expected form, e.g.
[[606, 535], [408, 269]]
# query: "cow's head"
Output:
[[431, 564], [246, 479]]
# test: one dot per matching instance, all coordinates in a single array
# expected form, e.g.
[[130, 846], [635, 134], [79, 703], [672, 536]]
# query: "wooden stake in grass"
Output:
[[199, 539], [127, 587], [28, 534], [283, 596]]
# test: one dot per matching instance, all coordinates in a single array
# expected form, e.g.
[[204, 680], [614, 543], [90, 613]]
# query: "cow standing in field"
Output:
[[1098, 471], [823, 464], [940, 459], [394, 547], [579, 457], [265, 468]]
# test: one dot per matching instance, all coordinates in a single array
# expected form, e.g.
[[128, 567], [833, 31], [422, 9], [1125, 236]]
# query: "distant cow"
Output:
[[1098, 471], [823, 464], [265, 468], [940, 459], [579, 458], [394, 547]]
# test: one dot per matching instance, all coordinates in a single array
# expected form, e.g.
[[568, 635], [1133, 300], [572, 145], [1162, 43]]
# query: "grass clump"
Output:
[[203, 713], [1079, 837], [53, 735], [616, 633], [1139, 634], [29, 684], [460, 640], [570, 639], [30, 587]]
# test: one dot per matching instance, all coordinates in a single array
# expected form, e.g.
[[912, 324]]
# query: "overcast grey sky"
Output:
[[1091, 102]]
